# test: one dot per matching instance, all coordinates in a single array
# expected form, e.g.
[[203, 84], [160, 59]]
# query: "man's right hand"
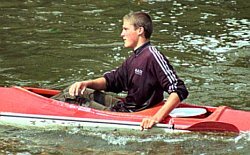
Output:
[[77, 87]]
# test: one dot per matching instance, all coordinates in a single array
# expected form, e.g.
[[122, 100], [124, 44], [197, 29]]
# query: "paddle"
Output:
[[213, 126]]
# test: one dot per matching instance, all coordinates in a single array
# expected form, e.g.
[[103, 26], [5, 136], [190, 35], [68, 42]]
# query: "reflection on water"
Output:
[[236, 37], [80, 141], [52, 44]]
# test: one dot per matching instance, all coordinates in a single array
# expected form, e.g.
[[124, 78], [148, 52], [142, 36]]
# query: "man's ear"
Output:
[[141, 31]]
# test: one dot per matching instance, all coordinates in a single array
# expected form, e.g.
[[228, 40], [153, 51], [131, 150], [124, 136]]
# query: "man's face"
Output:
[[129, 34]]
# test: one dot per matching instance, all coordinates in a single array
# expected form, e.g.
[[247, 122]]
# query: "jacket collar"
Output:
[[140, 49]]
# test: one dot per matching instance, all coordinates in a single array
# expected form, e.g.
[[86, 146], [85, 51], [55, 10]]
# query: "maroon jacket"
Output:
[[145, 75]]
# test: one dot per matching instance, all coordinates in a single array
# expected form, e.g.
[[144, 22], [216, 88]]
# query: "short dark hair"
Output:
[[141, 19]]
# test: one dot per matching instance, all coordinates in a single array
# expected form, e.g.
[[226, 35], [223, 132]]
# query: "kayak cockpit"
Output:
[[183, 110]]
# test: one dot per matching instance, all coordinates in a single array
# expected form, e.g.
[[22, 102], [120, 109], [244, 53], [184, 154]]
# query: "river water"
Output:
[[51, 44]]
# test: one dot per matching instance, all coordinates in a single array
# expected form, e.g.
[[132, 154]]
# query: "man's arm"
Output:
[[172, 102], [97, 84]]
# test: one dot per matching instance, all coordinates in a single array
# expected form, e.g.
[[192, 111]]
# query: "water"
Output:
[[82, 141], [51, 44]]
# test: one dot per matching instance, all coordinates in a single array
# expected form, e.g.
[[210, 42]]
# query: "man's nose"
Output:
[[122, 34]]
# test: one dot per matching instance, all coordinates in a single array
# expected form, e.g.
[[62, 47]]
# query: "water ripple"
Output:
[[234, 39]]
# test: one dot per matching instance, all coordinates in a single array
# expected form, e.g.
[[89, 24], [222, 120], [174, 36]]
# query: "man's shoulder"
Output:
[[152, 52]]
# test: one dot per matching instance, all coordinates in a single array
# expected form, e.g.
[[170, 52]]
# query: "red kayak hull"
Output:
[[36, 101]]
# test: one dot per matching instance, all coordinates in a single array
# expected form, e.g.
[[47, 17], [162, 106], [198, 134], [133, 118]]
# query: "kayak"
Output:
[[34, 107]]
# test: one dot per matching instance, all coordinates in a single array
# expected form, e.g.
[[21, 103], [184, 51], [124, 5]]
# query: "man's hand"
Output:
[[172, 102], [148, 123], [77, 87]]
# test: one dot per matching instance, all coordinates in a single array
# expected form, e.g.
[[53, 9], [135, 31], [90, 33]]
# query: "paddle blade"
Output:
[[214, 127]]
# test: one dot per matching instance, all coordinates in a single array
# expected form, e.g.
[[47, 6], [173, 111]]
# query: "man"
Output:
[[145, 75]]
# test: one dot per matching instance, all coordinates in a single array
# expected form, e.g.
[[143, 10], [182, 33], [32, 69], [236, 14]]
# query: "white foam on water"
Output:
[[242, 137]]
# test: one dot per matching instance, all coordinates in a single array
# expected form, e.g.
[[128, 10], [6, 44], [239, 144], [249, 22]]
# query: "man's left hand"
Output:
[[148, 123]]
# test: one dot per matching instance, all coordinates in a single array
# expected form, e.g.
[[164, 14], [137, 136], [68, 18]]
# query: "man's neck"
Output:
[[141, 41], [140, 49]]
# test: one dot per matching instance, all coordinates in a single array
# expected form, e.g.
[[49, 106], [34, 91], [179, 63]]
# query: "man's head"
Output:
[[137, 29]]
